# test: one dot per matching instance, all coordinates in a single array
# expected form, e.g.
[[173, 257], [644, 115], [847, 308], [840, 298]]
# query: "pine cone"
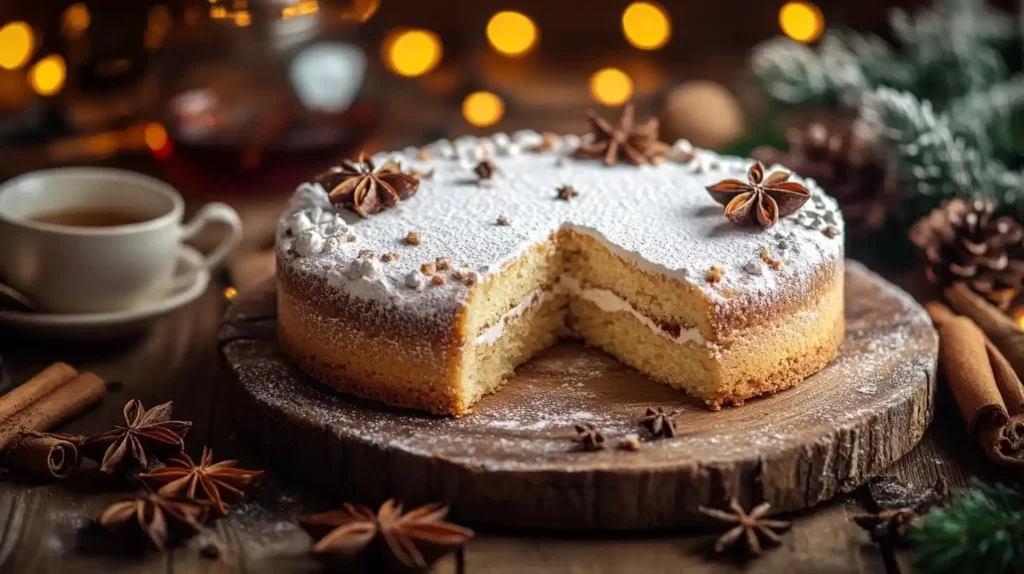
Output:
[[962, 241], [847, 164]]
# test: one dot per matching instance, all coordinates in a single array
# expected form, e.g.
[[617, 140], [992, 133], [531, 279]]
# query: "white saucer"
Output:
[[113, 324]]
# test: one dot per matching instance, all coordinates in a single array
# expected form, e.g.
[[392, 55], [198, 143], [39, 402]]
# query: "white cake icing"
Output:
[[659, 217]]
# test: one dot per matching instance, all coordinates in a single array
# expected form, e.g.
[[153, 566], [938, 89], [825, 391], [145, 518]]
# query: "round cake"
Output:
[[422, 278]]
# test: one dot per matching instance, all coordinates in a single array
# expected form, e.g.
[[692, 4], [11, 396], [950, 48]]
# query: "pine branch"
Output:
[[933, 164], [981, 531], [993, 121]]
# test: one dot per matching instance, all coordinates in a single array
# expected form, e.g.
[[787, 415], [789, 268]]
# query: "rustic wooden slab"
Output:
[[512, 461]]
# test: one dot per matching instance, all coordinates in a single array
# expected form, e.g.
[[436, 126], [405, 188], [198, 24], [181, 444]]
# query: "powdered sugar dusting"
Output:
[[659, 217]]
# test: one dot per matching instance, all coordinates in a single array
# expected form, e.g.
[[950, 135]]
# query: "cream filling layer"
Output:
[[605, 300]]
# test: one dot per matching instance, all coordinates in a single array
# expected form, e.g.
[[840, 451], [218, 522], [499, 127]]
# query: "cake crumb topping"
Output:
[[413, 238], [424, 154], [389, 257], [428, 269], [443, 263], [715, 274], [503, 221], [365, 253], [831, 231], [415, 280], [437, 279], [754, 267], [772, 262]]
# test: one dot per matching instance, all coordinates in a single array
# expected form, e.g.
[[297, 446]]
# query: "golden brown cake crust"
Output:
[[438, 322]]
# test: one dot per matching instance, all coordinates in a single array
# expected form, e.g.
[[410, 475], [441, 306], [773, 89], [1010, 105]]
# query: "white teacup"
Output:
[[84, 269]]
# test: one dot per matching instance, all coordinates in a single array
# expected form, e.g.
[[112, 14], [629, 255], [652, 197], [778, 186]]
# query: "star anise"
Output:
[[752, 526], [897, 507], [156, 517], [659, 423], [760, 200], [566, 192], [386, 539], [638, 145], [589, 437], [216, 482], [890, 525], [153, 430], [366, 189]]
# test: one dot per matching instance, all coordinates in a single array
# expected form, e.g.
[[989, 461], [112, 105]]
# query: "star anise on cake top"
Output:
[[219, 482], [760, 200], [356, 534], [752, 527], [156, 517], [365, 188], [146, 433], [636, 144], [659, 423]]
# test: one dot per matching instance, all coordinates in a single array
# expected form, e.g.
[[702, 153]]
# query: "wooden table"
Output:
[[47, 527]]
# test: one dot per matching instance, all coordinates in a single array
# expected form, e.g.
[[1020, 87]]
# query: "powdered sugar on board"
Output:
[[659, 217]]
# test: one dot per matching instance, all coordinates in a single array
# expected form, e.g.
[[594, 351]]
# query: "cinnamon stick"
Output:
[[965, 362], [69, 400], [999, 424], [44, 383], [53, 456], [999, 328]]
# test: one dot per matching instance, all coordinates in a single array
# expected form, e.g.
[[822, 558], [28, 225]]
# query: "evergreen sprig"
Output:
[[982, 531], [934, 154]]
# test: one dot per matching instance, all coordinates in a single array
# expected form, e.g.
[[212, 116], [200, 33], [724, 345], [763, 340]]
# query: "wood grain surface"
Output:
[[512, 462], [47, 527]]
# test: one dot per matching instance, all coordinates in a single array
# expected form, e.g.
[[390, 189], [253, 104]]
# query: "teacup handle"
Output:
[[215, 213], [211, 213]]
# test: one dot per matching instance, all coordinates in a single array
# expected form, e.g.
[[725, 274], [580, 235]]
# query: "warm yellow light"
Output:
[[646, 25], [511, 33], [412, 52], [155, 136], [1018, 316], [483, 109], [611, 86], [47, 76], [230, 293], [76, 19], [801, 21], [16, 43], [242, 19]]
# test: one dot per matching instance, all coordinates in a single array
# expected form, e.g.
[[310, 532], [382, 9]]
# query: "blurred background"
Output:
[[239, 100]]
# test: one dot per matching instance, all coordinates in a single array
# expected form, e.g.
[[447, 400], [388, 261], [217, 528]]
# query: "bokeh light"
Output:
[[483, 109], [155, 136], [16, 44], [801, 21], [360, 10], [646, 25], [75, 20], [611, 86], [230, 293], [512, 33], [412, 52], [47, 75], [1018, 316], [243, 19]]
